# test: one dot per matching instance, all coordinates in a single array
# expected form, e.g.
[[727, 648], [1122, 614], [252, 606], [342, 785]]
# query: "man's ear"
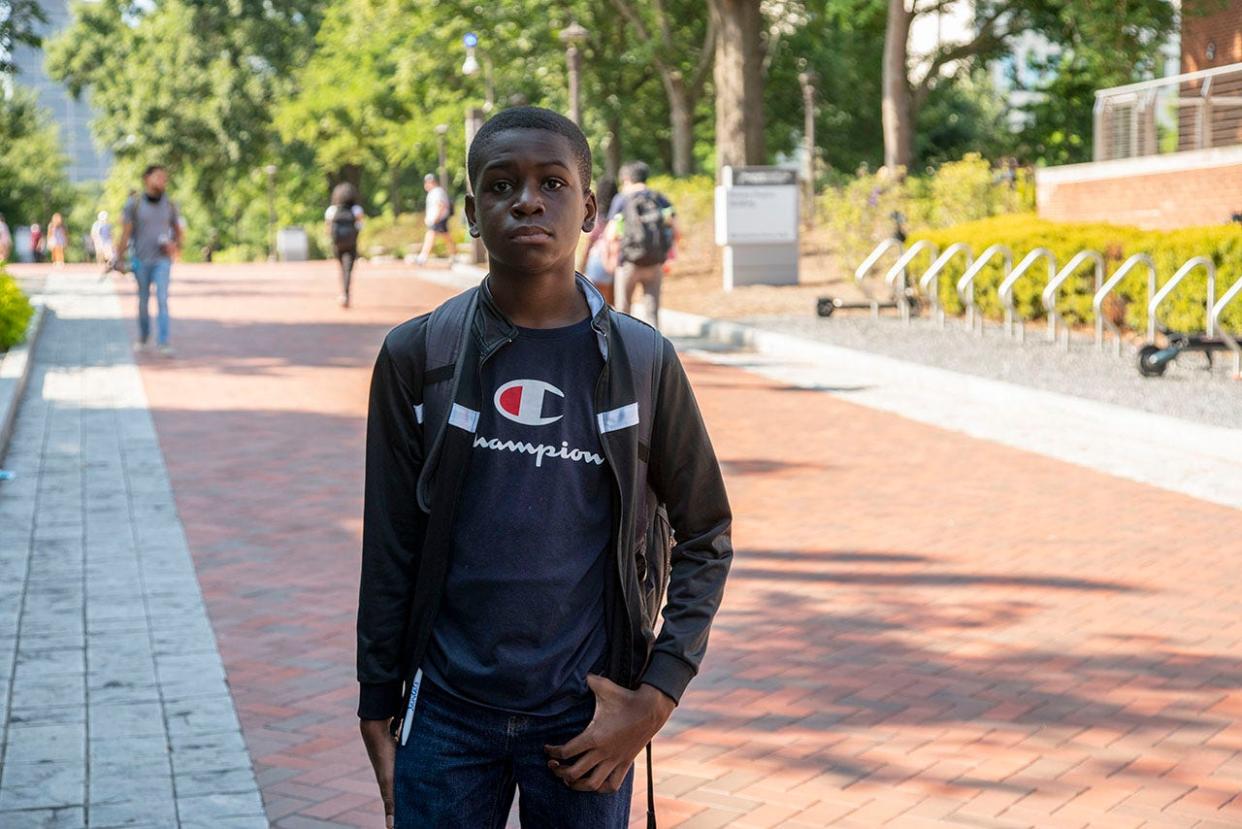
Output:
[[592, 212], [471, 223]]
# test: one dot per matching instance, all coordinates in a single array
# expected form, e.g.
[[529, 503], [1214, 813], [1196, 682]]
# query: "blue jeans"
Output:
[[158, 271], [462, 762]]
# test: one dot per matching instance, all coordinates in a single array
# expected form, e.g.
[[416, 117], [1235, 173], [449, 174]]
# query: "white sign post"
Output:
[[757, 224]]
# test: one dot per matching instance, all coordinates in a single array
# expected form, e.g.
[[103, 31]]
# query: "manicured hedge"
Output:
[[15, 312], [1184, 310]]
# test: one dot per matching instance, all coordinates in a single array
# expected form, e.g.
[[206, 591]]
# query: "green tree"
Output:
[[33, 181], [19, 20], [190, 84]]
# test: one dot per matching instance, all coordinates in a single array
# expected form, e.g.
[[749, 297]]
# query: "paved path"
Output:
[[922, 629], [114, 708]]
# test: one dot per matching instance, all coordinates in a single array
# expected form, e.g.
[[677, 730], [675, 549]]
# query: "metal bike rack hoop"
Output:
[[1214, 320], [860, 273], [930, 285], [1098, 300], [1049, 296], [899, 270], [1153, 303], [1006, 287], [966, 285]]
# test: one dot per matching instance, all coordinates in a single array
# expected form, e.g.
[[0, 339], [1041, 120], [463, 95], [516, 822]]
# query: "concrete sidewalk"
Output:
[[114, 705]]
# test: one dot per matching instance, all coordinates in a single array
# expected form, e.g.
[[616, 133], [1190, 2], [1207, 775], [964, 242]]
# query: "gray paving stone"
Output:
[[42, 785], [116, 662], [70, 817], [45, 743]]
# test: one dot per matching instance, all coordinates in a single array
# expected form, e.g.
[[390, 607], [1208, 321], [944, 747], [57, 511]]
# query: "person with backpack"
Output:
[[343, 222], [642, 229], [530, 454], [152, 222], [436, 216]]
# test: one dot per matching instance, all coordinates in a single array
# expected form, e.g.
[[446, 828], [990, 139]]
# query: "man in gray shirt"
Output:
[[152, 223]]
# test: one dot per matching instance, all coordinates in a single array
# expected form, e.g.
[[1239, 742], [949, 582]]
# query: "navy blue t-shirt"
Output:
[[521, 621]]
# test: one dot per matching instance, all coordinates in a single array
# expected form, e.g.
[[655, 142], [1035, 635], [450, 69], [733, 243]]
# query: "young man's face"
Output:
[[157, 182], [530, 203]]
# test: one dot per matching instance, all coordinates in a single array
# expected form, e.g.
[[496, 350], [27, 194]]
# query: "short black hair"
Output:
[[635, 171], [151, 168], [529, 118]]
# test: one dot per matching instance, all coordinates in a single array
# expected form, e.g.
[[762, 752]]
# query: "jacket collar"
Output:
[[493, 329]]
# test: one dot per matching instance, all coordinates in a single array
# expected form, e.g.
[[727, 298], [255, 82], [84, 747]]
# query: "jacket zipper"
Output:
[[627, 645]]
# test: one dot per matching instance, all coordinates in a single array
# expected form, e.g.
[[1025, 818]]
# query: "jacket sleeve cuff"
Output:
[[668, 674], [379, 700]]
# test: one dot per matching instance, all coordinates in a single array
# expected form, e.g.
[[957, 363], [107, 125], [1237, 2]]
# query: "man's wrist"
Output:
[[658, 704]]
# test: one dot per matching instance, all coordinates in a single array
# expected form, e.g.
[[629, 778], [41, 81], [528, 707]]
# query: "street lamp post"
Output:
[[474, 120], [271, 211], [441, 132], [573, 35], [807, 80]]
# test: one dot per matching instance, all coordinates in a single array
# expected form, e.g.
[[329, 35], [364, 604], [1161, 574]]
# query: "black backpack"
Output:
[[344, 227], [647, 237]]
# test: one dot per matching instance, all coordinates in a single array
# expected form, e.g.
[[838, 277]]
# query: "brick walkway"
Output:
[[922, 629]]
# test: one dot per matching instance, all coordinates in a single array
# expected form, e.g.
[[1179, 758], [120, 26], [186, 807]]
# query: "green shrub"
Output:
[[859, 211], [1184, 310], [15, 312]]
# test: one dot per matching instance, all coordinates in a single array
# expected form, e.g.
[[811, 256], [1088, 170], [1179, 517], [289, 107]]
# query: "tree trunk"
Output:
[[681, 118], [896, 109], [612, 152], [394, 190], [739, 83]]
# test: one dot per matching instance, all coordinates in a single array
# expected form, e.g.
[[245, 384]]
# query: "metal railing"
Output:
[[966, 285], [1097, 301], [929, 285], [898, 272], [1153, 304], [1214, 321], [1049, 296], [1193, 111], [860, 273], [1006, 288]]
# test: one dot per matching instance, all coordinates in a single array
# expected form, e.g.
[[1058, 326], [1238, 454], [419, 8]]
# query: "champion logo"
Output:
[[522, 401]]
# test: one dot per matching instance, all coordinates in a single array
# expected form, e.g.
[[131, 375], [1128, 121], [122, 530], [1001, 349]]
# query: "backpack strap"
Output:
[[447, 331], [644, 348]]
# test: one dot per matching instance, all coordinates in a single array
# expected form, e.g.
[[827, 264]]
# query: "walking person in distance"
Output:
[[152, 226], [343, 221]]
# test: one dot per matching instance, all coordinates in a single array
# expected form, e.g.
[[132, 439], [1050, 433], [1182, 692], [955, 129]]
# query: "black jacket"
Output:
[[405, 551]]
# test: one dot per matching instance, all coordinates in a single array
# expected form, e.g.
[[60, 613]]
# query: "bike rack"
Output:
[[899, 269], [930, 285], [1006, 288], [1189, 265], [966, 285], [1214, 322], [1049, 296], [1118, 275], [860, 273]]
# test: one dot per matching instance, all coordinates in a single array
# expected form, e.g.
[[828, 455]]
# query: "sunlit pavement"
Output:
[[921, 628]]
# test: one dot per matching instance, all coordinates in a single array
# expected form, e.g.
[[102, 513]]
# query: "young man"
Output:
[[506, 632], [151, 220], [436, 218], [642, 230]]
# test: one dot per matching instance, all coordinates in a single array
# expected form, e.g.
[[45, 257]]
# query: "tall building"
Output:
[[87, 162]]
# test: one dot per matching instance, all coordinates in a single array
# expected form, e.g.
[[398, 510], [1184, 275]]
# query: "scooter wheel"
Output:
[[825, 306], [1148, 365]]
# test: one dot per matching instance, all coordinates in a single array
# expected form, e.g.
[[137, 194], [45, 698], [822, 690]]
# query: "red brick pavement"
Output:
[[922, 629]]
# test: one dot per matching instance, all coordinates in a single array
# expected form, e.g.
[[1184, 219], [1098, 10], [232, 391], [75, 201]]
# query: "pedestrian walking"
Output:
[[151, 223], [527, 450], [599, 254], [57, 240], [101, 238], [36, 243], [642, 224], [343, 222], [6, 240], [436, 216]]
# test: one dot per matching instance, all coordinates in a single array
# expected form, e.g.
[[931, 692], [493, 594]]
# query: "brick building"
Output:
[[1168, 153]]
